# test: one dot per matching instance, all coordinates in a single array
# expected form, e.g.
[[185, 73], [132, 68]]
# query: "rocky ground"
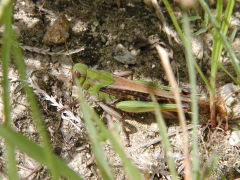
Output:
[[116, 36]]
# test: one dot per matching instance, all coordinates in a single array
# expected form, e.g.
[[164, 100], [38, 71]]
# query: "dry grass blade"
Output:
[[165, 62], [66, 114]]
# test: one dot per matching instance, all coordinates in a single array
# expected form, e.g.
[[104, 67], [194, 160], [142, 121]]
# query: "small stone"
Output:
[[79, 27], [57, 33], [122, 26], [123, 55], [103, 39], [151, 134], [234, 139], [95, 23], [154, 127], [135, 52]]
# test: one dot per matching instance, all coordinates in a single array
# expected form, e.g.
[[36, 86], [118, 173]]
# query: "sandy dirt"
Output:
[[54, 35]]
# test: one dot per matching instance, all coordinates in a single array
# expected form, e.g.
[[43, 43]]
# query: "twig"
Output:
[[158, 140], [47, 51], [175, 89], [65, 114], [118, 116]]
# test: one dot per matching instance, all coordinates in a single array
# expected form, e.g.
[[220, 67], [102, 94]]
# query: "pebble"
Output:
[[57, 33], [79, 27], [123, 55], [154, 127], [234, 139]]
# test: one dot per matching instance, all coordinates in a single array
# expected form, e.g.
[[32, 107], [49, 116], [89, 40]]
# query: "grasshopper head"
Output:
[[80, 72]]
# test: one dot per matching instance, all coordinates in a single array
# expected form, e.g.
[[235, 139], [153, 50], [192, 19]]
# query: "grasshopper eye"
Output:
[[76, 74], [79, 70]]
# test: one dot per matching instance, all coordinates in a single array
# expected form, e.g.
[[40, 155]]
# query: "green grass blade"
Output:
[[181, 35], [204, 78], [6, 50], [174, 19], [226, 44], [34, 108], [204, 25], [132, 172], [94, 138], [6, 47], [217, 50], [90, 116], [194, 103], [208, 168], [165, 140], [233, 34], [192, 18], [4, 5], [228, 73], [36, 152], [142, 106], [11, 162]]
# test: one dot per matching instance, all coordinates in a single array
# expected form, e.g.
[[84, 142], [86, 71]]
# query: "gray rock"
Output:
[[123, 55]]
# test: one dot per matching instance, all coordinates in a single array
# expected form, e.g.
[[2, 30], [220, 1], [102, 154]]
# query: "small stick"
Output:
[[118, 116], [167, 67], [158, 140]]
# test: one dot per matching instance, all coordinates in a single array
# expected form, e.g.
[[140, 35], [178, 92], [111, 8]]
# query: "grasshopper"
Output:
[[97, 81]]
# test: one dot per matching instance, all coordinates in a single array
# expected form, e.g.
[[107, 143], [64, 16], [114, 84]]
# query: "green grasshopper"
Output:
[[101, 83], [96, 81]]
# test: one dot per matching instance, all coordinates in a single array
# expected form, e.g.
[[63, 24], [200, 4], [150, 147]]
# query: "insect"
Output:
[[102, 83], [98, 81]]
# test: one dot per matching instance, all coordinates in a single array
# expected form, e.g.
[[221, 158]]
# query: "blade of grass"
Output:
[[217, 51], [204, 25], [90, 116], [233, 34], [214, 65], [228, 73], [34, 107], [226, 44], [181, 35], [174, 19], [165, 139], [132, 172], [208, 168], [6, 50], [94, 138], [4, 5], [36, 152], [194, 103], [170, 75]]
